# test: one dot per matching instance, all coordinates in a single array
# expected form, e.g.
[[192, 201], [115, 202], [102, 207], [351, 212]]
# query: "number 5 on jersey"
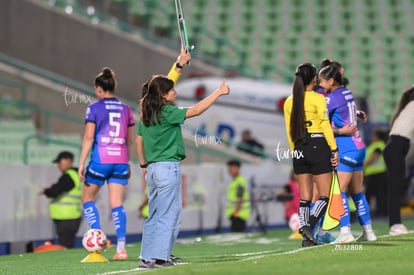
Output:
[[114, 123]]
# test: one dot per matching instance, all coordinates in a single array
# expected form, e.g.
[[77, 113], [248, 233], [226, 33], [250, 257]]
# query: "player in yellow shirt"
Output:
[[313, 147]]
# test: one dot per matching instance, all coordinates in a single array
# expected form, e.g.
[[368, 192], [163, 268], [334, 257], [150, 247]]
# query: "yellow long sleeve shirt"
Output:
[[316, 117], [173, 74]]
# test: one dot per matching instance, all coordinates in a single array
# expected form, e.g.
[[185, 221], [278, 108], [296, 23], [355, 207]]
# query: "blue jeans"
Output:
[[165, 201]]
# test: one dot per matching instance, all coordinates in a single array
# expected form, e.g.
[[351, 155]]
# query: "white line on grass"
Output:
[[258, 254], [254, 256], [264, 253], [121, 271], [253, 253], [231, 239], [300, 250], [132, 270]]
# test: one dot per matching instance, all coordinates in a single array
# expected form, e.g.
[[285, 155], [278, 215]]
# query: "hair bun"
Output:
[[108, 73], [345, 81]]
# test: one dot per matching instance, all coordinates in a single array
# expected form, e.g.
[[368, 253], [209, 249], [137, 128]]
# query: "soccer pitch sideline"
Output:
[[250, 253]]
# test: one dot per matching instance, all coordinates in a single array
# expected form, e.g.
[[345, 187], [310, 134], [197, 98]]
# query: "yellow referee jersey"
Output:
[[316, 117]]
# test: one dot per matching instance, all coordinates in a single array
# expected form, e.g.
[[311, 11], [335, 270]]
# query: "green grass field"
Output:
[[250, 254]]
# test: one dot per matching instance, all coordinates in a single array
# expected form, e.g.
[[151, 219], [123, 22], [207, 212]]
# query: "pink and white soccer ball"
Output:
[[94, 240], [294, 222]]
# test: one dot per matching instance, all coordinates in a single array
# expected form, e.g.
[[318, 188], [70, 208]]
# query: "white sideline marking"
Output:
[[259, 255], [299, 250], [230, 239], [264, 253], [252, 258], [121, 271], [135, 269], [254, 255]]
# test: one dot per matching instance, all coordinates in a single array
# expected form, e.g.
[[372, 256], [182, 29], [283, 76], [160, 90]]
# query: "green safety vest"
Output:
[[378, 166], [68, 205], [232, 199]]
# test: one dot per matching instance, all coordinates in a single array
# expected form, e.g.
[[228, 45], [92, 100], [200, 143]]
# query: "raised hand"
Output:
[[184, 57], [224, 88]]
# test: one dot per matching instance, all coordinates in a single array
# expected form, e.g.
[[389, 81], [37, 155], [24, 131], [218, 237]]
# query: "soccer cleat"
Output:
[[325, 238], [307, 234], [120, 255], [344, 238], [399, 229], [367, 236], [307, 243], [156, 264]]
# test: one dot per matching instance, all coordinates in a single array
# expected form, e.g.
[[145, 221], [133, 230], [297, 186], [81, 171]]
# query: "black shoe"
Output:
[[307, 234], [307, 243], [162, 263], [175, 259], [145, 264], [156, 264]]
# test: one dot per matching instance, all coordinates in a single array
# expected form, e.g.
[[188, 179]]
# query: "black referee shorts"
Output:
[[312, 155]]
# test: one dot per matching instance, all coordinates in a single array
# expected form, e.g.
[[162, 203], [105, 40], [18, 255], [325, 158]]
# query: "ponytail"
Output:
[[305, 74], [297, 119]]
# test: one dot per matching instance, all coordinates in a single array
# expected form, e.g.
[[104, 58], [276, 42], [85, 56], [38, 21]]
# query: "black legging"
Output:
[[394, 156], [66, 231], [237, 224], [376, 186]]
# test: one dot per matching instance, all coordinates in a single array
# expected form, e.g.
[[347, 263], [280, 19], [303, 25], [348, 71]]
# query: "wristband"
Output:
[[178, 65], [144, 165]]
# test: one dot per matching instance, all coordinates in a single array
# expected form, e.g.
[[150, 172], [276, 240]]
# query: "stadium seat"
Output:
[[137, 13], [119, 9], [13, 133], [371, 38]]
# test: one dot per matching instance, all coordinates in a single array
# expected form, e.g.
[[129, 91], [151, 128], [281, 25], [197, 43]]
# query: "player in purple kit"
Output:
[[323, 236], [342, 112], [109, 133]]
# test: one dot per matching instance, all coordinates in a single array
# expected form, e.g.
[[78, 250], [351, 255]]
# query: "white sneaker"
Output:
[[367, 236], [399, 229], [344, 238]]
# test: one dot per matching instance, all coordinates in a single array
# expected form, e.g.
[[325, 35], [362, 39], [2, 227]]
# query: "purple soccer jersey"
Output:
[[343, 111], [112, 119], [321, 91]]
